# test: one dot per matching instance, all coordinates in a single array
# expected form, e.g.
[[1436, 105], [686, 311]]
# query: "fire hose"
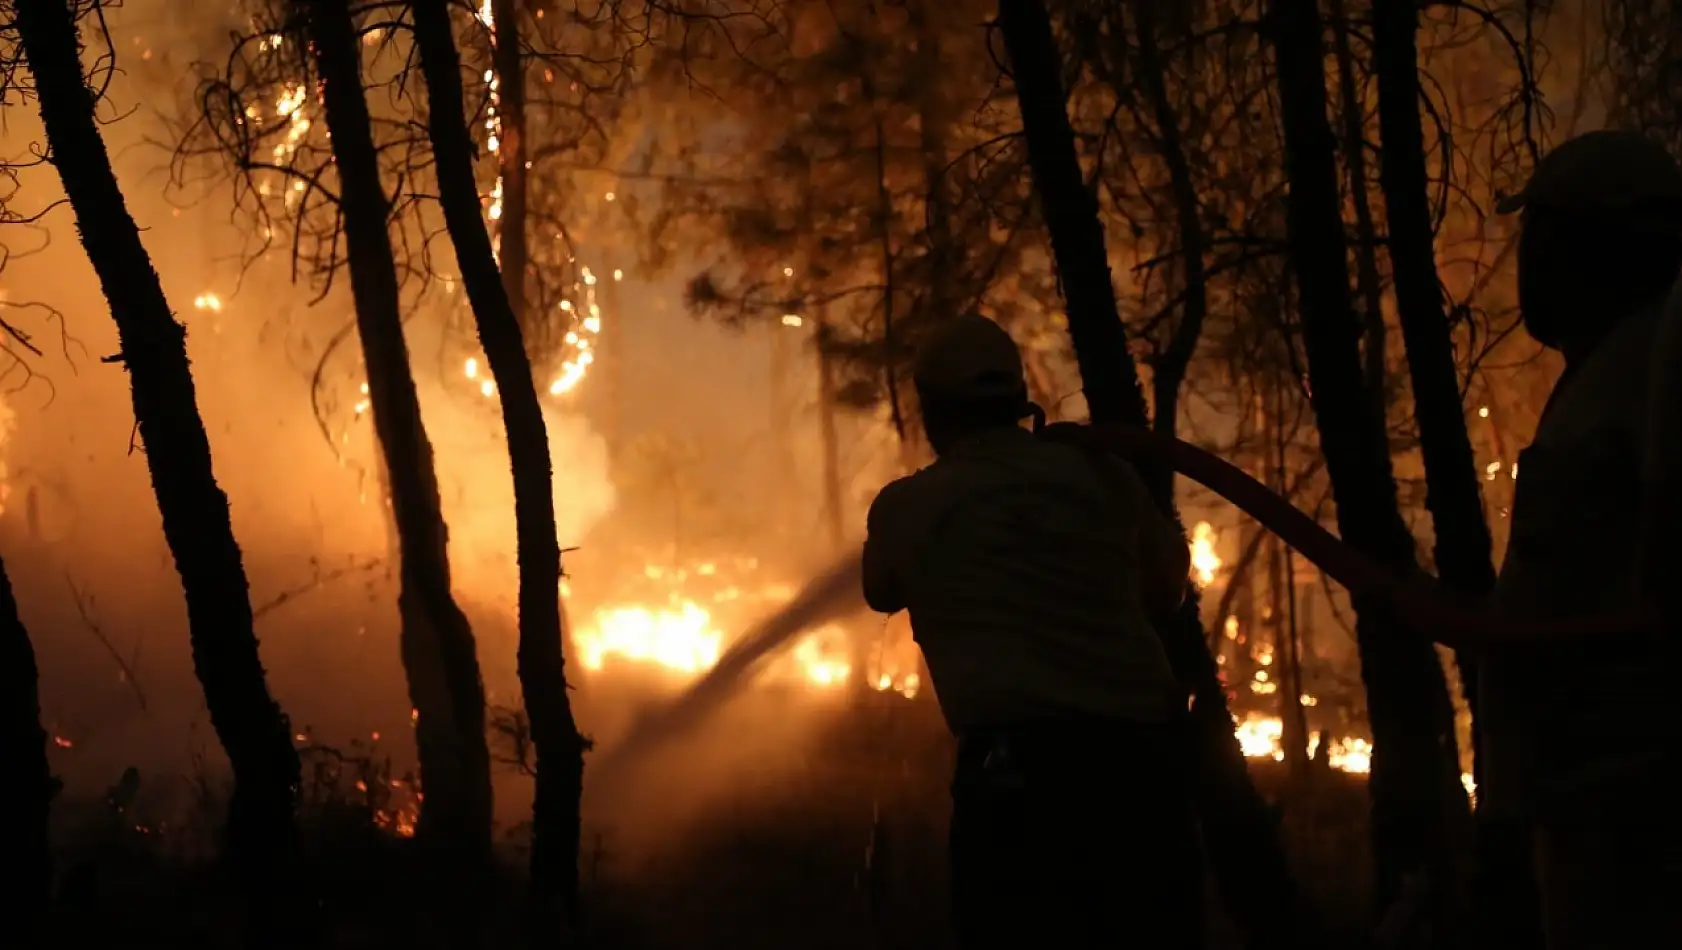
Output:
[[1414, 600]]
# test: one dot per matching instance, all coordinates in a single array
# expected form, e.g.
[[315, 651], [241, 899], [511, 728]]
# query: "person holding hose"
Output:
[[1577, 734], [1031, 570]]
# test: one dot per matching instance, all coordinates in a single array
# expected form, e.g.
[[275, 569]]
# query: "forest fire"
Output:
[[792, 246]]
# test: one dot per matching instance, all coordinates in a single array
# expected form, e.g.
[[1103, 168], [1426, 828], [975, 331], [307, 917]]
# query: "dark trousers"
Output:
[[1075, 836]]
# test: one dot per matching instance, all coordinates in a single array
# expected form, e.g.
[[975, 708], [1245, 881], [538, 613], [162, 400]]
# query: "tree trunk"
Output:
[[25, 851], [833, 510], [1240, 836], [558, 746], [883, 226], [439, 655], [780, 420], [1170, 371], [931, 132], [1282, 577], [1366, 250], [610, 349], [1452, 491], [1419, 807], [250, 725], [511, 159]]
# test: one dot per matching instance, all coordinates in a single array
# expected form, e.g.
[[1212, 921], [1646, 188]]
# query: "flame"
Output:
[[1263, 737], [493, 118], [683, 639], [1204, 561], [580, 342]]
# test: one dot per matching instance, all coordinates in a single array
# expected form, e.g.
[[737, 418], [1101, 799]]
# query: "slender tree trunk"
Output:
[[1353, 110], [884, 239], [1453, 495], [1170, 371], [1452, 492], [781, 420], [559, 747], [1419, 808], [834, 513], [1293, 724], [437, 644], [25, 852], [1108, 377], [250, 725], [610, 359], [1242, 842], [512, 249], [931, 131]]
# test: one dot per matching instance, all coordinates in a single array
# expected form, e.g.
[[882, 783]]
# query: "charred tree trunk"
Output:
[[1242, 841], [439, 656], [558, 746], [25, 852], [514, 256], [931, 131], [1282, 577], [834, 515], [1108, 377], [1452, 493], [1367, 277], [1170, 371], [883, 226], [250, 725], [1419, 807]]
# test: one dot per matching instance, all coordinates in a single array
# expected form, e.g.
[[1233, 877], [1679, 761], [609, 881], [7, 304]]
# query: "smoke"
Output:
[[674, 461]]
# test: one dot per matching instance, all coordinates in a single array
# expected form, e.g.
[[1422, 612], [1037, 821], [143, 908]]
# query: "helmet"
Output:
[[970, 360]]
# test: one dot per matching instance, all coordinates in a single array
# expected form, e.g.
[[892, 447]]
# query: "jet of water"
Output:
[[836, 592]]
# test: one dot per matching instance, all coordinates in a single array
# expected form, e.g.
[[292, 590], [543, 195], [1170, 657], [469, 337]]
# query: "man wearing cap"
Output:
[[1031, 570], [1578, 739]]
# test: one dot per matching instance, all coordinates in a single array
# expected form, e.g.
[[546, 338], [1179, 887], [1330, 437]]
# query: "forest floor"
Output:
[[848, 854]]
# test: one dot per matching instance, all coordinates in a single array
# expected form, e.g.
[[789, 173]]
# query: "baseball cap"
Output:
[[1604, 172], [970, 359]]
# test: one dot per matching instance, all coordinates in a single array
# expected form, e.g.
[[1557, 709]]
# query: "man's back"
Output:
[[1019, 561]]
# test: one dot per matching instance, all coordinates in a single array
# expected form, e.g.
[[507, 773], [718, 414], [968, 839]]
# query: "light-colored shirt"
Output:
[[1019, 562], [1561, 723]]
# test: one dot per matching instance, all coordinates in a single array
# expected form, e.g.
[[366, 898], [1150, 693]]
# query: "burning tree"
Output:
[[252, 729], [557, 744]]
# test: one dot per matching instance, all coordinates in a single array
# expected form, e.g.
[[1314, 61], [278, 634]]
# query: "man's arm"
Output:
[[1167, 560], [1164, 559], [881, 583]]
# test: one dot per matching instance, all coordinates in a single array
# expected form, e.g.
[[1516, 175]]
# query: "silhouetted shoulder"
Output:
[[894, 498]]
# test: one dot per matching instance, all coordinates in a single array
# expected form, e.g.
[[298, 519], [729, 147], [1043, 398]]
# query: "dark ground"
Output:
[[849, 853]]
